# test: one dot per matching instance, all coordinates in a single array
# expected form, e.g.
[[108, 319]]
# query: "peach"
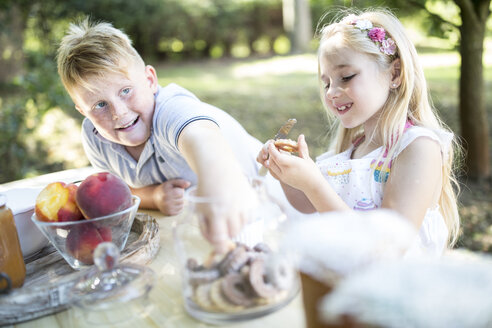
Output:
[[56, 203], [103, 194], [83, 240]]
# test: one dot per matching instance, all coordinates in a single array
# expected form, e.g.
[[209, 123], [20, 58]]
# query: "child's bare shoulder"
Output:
[[421, 151]]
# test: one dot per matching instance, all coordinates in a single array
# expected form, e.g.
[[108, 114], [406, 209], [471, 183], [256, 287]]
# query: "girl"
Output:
[[390, 150]]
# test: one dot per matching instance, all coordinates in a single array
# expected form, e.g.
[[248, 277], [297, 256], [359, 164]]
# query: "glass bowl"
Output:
[[77, 240], [252, 279]]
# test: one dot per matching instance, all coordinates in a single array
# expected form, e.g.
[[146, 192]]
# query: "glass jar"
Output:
[[252, 279], [12, 267]]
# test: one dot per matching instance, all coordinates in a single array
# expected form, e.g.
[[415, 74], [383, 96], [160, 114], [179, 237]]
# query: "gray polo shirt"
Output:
[[161, 160]]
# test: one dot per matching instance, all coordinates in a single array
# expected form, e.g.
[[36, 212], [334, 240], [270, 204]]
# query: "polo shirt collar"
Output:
[[119, 149]]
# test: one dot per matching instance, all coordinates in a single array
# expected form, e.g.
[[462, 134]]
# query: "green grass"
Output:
[[261, 94]]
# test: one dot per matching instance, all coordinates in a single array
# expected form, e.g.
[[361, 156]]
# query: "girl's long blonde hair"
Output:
[[409, 102]]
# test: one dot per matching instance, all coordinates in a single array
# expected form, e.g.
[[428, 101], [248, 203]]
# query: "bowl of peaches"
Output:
[[77, 218]]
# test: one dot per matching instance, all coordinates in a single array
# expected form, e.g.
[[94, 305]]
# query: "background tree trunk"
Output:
[[298, 24], [473, 114], [11, 43]]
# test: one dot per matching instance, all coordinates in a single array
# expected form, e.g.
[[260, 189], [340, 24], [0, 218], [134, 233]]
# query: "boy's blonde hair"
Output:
[[93, 49], [409, 102]]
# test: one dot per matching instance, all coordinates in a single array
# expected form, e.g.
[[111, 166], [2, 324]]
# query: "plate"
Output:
[[21, 201], [49, 278], [223, 318]]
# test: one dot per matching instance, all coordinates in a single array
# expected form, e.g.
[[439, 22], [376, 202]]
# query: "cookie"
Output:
[[234, 260], [219, 300], [202, 297], [262, 248], [191, 264], [197, 277], [258, 279], [278, 297], [286, 145], [279, 272], [236, 289]]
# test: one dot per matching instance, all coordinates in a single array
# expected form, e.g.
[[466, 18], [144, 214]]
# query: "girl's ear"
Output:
[[395, 73]]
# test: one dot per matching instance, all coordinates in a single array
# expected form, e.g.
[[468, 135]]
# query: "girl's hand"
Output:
[[169, 196], [298, 172]]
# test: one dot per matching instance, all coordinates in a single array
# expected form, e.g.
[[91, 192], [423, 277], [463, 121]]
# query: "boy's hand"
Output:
[[225, 216], [169, 196]]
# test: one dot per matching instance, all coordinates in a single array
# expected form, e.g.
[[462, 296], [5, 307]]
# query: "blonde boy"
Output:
[[160, 140]]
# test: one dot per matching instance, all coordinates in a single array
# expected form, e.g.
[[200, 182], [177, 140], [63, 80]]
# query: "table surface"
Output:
[[166, 296]]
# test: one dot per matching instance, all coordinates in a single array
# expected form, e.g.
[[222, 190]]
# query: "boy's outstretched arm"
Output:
[[220, 177]]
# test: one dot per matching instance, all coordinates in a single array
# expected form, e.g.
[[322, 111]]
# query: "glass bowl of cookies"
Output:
[[251, 278]]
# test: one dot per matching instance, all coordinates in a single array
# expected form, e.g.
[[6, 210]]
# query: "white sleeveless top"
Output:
[[359, 185]]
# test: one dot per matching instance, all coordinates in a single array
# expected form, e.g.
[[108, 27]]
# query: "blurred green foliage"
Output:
[[163, 31], [179, 29]]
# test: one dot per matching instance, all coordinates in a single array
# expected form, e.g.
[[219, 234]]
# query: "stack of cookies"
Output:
[[242, 279]]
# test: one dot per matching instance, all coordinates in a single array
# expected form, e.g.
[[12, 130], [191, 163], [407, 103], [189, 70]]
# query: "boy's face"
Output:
[[120, 107]]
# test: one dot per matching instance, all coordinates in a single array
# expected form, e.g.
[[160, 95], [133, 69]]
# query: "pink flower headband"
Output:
[[377, 34]]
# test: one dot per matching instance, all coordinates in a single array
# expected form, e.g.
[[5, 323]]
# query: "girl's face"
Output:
[[355, 88], [120, 107]]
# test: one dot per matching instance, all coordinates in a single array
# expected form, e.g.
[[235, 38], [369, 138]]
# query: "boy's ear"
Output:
[[396, 73], [79, 110], [151, 75]]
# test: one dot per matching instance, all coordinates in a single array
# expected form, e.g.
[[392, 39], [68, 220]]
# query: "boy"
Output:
[[160, 140]]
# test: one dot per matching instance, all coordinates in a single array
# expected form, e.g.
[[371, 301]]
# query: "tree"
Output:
[[297, 23], [473, 114], [11, 39], [472, 110]]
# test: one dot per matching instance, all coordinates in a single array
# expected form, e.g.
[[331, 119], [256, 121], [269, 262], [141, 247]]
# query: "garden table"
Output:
[[166, 295]]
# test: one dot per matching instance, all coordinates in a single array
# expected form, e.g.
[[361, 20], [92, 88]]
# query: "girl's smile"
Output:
[[342, 109], [355, 86]]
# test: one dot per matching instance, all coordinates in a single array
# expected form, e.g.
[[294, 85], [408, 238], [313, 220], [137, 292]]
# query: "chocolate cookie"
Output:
[[192, 264], [279, 272], [219, 300], [262, 248], [237, 290], [201, 276], [258, 279], [234, 260]]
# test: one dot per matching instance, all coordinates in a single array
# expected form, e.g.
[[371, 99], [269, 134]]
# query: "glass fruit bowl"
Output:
[[77, 240], [252, 279]]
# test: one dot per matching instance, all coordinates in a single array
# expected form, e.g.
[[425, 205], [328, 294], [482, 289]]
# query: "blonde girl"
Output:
[[390, 149]]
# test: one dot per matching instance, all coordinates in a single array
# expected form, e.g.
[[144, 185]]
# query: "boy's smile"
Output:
[[120, 107]]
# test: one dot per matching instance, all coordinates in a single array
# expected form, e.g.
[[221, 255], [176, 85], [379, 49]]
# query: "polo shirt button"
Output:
[[132, 166]]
